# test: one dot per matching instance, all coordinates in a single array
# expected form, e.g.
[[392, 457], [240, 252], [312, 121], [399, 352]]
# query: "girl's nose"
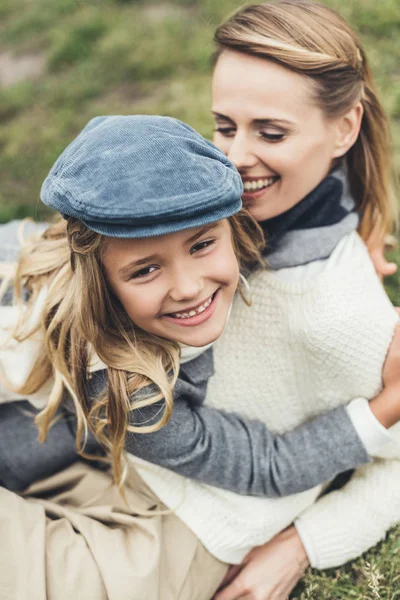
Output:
[[186, 285]]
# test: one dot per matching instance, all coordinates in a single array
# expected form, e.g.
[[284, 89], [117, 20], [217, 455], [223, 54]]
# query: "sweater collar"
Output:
[[311, 229]]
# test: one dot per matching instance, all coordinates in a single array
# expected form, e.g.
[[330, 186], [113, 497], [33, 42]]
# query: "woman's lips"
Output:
[[256, 187]]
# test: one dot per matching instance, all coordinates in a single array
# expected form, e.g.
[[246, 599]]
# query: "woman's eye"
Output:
[[201, 246], [272, 137], [226, 131], [143, 272]]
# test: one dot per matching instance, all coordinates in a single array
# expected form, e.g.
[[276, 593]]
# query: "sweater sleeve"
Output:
[[23, 458], [231, 452], [345, 523]]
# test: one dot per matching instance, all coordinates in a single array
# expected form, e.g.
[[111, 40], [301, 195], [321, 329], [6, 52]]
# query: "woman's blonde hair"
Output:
[[81, 318], [313, 40]]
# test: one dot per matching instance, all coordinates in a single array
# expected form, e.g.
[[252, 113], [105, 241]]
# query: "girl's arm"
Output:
[[231, 452], [221, 449], [23, 459]]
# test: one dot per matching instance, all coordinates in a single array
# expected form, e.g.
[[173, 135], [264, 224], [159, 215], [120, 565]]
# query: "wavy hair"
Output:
[[313, 40], [81, 320]]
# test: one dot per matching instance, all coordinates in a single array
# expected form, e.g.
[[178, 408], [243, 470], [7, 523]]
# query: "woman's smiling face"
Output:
[[177, 286], [268, 124]]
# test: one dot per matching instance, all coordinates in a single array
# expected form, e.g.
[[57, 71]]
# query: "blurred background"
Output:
[[65, 61]]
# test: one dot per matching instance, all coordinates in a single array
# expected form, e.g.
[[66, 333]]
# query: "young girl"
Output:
[[81, 322], [147, 261]]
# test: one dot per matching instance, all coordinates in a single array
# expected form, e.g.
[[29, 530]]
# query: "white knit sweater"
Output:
[[313, 339]]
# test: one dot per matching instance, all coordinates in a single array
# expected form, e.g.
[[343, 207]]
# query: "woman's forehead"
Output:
[[260, 89]]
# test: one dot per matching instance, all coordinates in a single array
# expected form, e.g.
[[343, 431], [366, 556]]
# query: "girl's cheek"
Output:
[[229, 267], [136, 305]]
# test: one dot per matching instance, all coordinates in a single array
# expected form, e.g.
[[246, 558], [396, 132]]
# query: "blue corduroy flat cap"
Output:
[[139, 176]]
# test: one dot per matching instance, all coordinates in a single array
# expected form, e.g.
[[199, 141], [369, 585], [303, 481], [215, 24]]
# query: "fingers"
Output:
[[230, 575], [388, 269], [382, 267], [234, 591]]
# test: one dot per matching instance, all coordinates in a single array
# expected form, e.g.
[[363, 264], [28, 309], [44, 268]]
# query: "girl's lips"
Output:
[[196, 319]]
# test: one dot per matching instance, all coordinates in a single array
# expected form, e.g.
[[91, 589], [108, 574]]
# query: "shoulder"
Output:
[[194, 376]]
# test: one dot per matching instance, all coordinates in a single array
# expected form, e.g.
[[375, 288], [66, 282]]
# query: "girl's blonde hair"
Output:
[[313, 40], [81, 318]]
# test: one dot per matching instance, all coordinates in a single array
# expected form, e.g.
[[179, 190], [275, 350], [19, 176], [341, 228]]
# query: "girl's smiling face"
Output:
[[268, 124], [177, 286]]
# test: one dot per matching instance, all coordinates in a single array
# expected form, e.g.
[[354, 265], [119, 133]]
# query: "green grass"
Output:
[[137, 56], [374, 576]]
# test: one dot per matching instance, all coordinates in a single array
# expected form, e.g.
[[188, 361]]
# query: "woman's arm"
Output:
[[345, 523]]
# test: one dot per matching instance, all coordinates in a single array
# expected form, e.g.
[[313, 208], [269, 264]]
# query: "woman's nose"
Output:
[[240, 152]]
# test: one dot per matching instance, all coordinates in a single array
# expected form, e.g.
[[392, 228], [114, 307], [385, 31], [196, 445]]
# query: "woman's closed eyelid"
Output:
[[227, 130], [272, 136]]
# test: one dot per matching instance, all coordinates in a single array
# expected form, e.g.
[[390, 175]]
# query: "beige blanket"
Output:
[[72, 537]]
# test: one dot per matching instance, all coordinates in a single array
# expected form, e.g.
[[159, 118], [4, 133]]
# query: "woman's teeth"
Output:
[[194, 312], [252, 186]]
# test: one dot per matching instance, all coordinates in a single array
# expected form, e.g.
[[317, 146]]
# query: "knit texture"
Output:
[[308, 350]]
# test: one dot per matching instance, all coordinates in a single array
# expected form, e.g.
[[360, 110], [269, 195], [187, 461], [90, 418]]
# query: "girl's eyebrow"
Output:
[[202, 232], [125, 270]]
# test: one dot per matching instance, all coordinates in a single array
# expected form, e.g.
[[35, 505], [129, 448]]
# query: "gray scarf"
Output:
[[312, 229]]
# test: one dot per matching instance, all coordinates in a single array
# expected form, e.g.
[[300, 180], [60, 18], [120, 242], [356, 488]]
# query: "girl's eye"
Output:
[[143, 272], [226, 131], [272, 137], [201, 246]]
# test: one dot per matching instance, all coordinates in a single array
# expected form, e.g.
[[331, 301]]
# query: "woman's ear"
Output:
[[347, 129]]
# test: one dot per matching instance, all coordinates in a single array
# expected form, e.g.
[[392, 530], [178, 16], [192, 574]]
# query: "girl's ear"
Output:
[[347, 129]]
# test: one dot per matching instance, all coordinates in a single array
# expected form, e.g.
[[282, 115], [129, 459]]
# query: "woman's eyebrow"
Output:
[[266, 122], [222, 117]]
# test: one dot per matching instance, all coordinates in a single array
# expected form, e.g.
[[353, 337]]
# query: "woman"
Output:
[[296, 111], [265, 55]]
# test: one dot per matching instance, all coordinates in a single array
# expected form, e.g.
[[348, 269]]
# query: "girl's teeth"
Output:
[[192, 313], [252, 186]]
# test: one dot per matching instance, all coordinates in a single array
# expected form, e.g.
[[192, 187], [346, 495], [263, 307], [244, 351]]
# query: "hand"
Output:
[[382, 267], [268, 572], [386, 405]]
